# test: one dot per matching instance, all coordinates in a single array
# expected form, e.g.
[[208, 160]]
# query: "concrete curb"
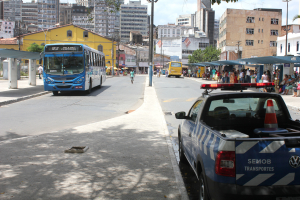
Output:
[[176, 170], [23, 98]]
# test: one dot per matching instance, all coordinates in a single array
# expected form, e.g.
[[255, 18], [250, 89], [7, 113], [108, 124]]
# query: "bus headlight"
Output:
[[80, 80], [49, 80]]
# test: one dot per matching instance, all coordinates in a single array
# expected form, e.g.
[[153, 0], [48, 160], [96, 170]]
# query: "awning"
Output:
[[10, 53]]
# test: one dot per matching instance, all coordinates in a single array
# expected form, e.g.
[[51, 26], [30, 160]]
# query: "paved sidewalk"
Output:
[[129, 157], [292, 102]]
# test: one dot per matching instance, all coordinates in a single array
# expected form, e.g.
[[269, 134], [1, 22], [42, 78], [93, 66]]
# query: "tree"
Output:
[[219, 1], [296, 17], [209, 54], [35, 48]]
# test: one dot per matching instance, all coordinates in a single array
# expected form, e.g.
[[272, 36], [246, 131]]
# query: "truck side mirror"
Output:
[[180, 115]]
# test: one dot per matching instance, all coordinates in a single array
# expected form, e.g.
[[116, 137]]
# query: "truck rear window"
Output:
[[236, 113]]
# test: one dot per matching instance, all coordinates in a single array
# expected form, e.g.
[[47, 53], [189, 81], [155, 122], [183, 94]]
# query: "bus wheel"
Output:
[[55, 93], [90, 87], [100, 83]]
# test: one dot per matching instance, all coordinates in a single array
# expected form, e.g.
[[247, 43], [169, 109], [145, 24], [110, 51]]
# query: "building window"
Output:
[[258, 19], [173, 31], [261, 41], [262, 30], [274, 21], [281, 48], [249, 42], [274, 32], [289, 47], [203, 45], [273, 44], [258, 41], [168, 31], [250, 20], [250, 30], [297, 46], [262, 19], [100, 48], [85, 34], [259, 30], [69, 33], [178, 32]]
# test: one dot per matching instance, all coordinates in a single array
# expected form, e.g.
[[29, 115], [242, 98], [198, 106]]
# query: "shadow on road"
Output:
[[95, 92]]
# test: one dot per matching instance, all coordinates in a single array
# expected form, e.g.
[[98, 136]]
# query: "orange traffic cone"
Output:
[[270, 118]]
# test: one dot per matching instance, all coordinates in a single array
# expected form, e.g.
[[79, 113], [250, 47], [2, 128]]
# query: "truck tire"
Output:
[[181, 151], [203, 195]]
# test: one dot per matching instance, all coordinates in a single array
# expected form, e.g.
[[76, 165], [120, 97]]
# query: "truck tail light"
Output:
[[225, 163]]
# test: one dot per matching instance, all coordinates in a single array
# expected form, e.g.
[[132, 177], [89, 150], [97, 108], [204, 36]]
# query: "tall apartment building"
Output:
[[205, 19], [103, 19], [256, 31], [216, 31], [48, 13], [65, 13], [12, 10], [30, 13], [81, 16], [186, 20], [133, 17]]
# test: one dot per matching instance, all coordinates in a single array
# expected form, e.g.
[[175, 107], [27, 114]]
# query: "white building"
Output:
[[48, 13], [186, 20], [7, 27], [133, 17], [182, 45], [293, 45]]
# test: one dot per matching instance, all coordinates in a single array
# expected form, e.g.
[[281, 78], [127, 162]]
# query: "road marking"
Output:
[[169, 100], [192, 99]]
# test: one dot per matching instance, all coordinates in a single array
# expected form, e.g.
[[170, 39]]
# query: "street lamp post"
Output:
[[151, 42], [286, 28]]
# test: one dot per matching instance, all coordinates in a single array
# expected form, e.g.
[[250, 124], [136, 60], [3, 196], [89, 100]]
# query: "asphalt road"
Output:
[[50, 113]]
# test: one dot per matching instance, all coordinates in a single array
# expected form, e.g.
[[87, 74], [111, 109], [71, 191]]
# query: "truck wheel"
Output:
[[100, 83], [181, 152], [203, 189], [55, 93]]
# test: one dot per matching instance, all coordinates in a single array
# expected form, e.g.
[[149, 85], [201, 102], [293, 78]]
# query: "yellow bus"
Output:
[[174, 69]]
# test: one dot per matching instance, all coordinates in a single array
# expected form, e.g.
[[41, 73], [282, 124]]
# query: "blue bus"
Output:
[[72, 67]]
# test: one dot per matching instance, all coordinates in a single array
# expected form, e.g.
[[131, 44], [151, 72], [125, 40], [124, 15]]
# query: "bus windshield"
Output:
[[175, 64], [63, 64]]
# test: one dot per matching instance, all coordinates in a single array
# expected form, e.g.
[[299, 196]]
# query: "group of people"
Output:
[[290, 82], [234, 76]]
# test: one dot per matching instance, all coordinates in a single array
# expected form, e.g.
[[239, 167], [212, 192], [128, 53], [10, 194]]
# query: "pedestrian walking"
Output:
[[40, 69], [132, 76]]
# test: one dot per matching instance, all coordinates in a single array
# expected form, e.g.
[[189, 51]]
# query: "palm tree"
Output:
[[296, 17]]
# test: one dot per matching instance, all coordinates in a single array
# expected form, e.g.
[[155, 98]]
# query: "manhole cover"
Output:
[[77, 149], [168, 113]]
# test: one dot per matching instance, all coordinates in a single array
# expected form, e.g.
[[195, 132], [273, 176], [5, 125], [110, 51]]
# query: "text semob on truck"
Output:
[[241, 145]]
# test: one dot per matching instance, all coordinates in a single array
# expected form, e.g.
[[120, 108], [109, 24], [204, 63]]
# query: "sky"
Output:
[[166, 11]]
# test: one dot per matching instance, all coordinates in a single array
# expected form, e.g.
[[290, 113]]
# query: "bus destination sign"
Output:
[[63, 48]]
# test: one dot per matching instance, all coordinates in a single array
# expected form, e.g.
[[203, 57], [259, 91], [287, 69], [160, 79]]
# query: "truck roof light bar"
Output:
[[235, 86]]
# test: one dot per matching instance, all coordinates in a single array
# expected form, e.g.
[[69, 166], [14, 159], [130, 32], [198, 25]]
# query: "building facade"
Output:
[[205, 22], [81, 17], [133, 17], [65, 13], [48, 13], [255, 36], [12, 10], [30, 13], [186, 20], [7, 27], [73, 34]]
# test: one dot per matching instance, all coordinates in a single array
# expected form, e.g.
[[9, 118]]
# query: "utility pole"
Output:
[[286, 26], [238, 43], [19, 37], [112, 55], [151, 42], [161, 45]]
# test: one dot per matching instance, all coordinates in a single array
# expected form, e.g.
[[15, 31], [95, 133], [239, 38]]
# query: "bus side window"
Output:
[[103, 61]]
